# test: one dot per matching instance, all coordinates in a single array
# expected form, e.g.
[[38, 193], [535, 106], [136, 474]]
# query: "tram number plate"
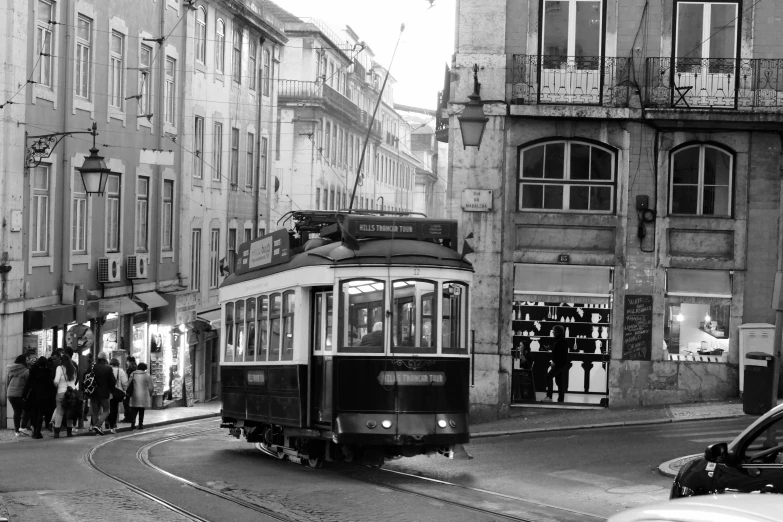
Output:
[[412, 378]]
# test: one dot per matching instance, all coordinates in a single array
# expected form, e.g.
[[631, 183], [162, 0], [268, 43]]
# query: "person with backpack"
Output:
[[65, 381], [102, 386], [18, 373]]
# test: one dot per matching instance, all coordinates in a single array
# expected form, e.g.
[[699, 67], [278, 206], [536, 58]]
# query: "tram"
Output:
[[348, 338]]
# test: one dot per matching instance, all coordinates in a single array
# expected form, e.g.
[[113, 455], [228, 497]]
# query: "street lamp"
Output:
[[472, 121]]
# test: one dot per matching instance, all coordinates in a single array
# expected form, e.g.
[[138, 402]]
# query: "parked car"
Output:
[[753, 462], [715, 508]]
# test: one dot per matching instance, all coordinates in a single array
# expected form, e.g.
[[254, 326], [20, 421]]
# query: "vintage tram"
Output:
[[348, 338]]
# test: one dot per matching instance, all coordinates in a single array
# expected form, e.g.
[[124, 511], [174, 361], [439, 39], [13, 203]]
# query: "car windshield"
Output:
[[766, 444]]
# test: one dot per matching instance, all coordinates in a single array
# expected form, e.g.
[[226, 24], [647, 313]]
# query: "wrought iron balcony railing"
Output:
[[571, 80], [728, 83], [295, 90]]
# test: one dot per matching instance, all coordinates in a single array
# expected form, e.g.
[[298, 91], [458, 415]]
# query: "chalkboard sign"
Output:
[[637, 328]]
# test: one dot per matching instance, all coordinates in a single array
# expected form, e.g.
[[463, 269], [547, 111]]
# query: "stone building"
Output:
[[633, 157]]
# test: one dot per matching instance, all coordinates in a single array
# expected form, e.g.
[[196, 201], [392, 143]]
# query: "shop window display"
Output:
[[697, 331]]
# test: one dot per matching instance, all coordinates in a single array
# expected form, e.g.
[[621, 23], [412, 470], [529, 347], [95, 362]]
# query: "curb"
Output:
[[86, 431], [619, 424], [668, 469]]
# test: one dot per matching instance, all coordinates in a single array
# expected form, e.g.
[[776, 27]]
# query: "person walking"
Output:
[[121, 383], [17, 375], [141, 398], [99, 400], [39, 392], [130, 367], [558, 366], [64, 377]]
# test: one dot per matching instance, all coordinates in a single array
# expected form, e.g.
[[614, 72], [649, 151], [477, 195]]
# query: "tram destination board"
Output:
[[269, 250], [386, 227], [637, 328]]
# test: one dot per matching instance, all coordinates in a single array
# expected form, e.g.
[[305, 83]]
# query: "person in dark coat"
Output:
[[130, 367], [374, 338], [141, 398], [99, 400], [558, 366], [40, 393], [17, 374]]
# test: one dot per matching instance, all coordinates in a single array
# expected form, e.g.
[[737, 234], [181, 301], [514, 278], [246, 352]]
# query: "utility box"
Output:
[[754, 337], [760, 395]]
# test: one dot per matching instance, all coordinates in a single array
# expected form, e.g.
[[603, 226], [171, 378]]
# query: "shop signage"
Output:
[[412, 378], [256, 377], [269, 250], [637, 328], [110, 306], [475, 200]]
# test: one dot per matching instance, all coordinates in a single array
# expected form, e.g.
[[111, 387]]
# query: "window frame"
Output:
[[170, 110], [40, 214], [252, 63], [214, 258], [250, 168], [343, 318], [201, 36], [267, 72], [142, 215], [44, 42], [145, 80], [83, 60], [236, 61], [700, 186], [264, 150], [167, 208], [116, 88], [706, 29], [198, 133], [113, 202], [234, 158], [220, 45], [79, 215], [433, 349], [195, 259], [217, 151]]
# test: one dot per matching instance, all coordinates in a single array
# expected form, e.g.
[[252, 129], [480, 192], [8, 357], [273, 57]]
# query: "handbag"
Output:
[[129, 389], [118, 394], [89, 382]]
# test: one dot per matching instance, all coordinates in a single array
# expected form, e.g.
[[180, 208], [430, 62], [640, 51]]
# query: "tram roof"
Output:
[[371, 252]]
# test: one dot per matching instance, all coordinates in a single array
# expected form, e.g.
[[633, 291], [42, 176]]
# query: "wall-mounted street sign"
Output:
[[564, 258], [476, 200]]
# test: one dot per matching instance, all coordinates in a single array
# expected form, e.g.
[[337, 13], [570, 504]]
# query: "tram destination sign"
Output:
[[387, 378], [269, 250], [406, 228]]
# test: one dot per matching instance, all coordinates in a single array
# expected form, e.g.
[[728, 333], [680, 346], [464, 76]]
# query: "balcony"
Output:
[[716, 83], [300, 91], [571, 80]]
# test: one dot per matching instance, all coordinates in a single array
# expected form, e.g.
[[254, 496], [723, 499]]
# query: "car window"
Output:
[[763, 444]]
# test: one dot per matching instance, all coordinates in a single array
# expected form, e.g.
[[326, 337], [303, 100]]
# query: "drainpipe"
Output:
[[67, 108]]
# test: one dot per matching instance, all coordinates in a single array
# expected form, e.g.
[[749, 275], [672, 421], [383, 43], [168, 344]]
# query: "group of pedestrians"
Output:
[[49, 393]]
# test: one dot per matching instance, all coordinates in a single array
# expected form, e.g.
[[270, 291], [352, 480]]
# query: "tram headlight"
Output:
[[371, 424], [442, 423], [386, 424]]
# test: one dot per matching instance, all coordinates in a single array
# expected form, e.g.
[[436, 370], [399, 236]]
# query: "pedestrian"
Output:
[[130, 367], [121, 383], [100, 398], [39, 392], [558, 366], [48, 414], [64, 378], [141, 396], [17, 375], [85, 411]]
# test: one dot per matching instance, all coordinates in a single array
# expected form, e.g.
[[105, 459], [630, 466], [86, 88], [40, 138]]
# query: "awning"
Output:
[[47, 317], [119, 305], [560, 280], [151, 299], [694, 282], [210, 316]]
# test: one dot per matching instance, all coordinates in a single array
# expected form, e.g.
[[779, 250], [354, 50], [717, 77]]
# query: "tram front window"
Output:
[[413, 308], [362, 316], [454, 328], [229, 355]]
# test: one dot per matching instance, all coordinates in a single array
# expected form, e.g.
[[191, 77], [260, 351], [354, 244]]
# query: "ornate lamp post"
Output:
[[472, 120]]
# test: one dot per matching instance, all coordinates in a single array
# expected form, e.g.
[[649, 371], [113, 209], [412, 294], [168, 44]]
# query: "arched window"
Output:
[[701, 181], [201, 35], [567, 176], [220, 45]]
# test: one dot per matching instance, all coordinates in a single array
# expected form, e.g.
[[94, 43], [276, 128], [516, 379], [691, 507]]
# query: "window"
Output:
[[350, 152], [40, 210], [340, 147], [236, 64], [78, 215], [234, 157], [701, 181], [414, 309], [83, 75], [318, 198], [454, 324], [251, 66], [232, 248], [362, 316], [113, 214], [195, 260], [145, 80], [322, 333], [266, 77], [276, 301], [220, 45], [167, 242], [263, 328], [142, 214], [201, 35], [251, 160], [705, 30], [44, 36], [171, 67], [289, 309], [248, 235], [198, 171], [214, 261], [567, 176], [116, 71], [764, 449], [697, 329], [217, 152], [229, 354], [263, 162], [250, 319], [328, 141]]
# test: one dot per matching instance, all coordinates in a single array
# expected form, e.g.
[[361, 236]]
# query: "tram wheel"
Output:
[[315, 462]]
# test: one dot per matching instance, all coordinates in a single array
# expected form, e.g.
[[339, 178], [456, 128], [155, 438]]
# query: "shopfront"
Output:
[[579, 299]]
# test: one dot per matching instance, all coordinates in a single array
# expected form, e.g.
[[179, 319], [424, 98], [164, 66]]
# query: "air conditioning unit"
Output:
[[109, 269], [138, 266]]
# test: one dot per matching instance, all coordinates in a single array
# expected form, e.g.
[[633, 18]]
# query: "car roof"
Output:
[[709, 508]]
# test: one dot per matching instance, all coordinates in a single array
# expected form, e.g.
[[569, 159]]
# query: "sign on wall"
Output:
[[637, 328], [476, 200]]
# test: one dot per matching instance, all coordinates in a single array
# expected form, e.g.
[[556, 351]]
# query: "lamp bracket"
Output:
[[39, 148]]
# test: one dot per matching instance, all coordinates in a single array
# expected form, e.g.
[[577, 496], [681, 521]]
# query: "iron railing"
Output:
[[296, 90], [686, 83], [327, 31], [572, 80]]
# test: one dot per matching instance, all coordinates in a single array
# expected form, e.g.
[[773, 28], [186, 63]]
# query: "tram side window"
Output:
[[229, 356], [413, 309], [454, 328], [263, 328], [250, 310], [274, 327], [239, 324], [322, 329], [289, 305], [361, 317]]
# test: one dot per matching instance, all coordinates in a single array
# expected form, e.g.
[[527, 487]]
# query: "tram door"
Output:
[[321, 364]]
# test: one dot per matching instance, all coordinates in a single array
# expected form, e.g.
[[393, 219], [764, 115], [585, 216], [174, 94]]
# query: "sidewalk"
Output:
[[152, 418]]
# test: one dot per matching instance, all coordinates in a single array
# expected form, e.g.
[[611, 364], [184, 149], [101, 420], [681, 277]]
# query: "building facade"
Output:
[[632, 161]]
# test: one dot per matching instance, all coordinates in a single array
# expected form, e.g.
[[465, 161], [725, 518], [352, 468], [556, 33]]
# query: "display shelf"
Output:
[[558, 322], [711, 334], [563, 306]]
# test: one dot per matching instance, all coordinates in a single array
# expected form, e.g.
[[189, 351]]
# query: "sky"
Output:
[[425, 48]]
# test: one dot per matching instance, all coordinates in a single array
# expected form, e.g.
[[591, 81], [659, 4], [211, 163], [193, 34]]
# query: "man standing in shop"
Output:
[[99, 400], [558, 366]]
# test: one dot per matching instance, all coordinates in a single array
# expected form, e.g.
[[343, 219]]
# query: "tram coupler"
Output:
[[236, 432], [456, 452]]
